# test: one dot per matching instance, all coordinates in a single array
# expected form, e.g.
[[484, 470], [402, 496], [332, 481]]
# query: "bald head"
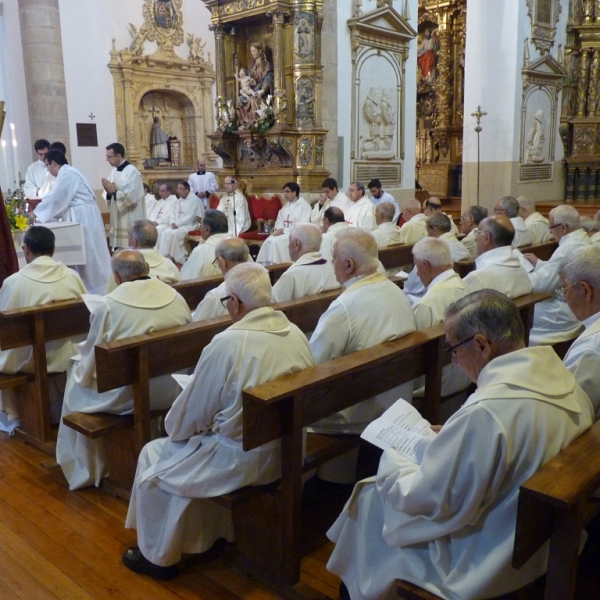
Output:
[[128, 265], [231, 252], [410, 208], [332, 216], [384, 213], [304, 238], [494, 232]]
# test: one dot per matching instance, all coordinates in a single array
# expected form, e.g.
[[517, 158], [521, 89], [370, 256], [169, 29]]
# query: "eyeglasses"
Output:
[[223, 301], [214, 262], [561, 292], [451, 350], [476, 232], [553, 226]]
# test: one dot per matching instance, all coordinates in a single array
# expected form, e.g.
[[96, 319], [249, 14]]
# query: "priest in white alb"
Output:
[[537, 223], [415, 226], [334, 222], [361, 211], [387, 232], [164, 208], [509, 207], [295, 210], [36, 173], [124, 193], [203, 183], [331, 197], [235, 207]]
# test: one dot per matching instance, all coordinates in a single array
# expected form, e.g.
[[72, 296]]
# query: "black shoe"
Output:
[[344, 594], [135, 561]]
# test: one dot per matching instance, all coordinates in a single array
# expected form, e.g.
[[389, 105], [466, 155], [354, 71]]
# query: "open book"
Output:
[[401, 427]]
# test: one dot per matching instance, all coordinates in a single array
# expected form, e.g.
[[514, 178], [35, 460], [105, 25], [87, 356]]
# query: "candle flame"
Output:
[[12, 125], [15, 143], [4, 143]]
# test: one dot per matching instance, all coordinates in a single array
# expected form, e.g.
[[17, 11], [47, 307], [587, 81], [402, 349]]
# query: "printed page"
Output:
[[91, 301]]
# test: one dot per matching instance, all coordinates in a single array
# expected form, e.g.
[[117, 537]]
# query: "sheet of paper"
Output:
[[182, 379], [91, 301], [402, 274]]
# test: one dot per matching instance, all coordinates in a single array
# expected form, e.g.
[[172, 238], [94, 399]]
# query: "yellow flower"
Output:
[[21, 222]]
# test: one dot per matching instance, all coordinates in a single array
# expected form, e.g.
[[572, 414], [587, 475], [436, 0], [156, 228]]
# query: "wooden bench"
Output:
[[556, 504], [396, 256], [34, 326]]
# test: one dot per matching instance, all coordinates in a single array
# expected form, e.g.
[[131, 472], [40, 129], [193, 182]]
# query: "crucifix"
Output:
[[478, 114], [154, 111], [92, 116], [287, 222]]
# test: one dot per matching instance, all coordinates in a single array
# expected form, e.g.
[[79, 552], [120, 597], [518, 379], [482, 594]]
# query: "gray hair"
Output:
[[500, 235], [215, 220], [582, 264], [387, 210], [309, 235], [129, 264], [360, 186], [233, 250], [144, 232], [490, 313], [434, 251], [510, 205], [526, 203], [477, 213], [439, 220], [411, 204], [565, 215], [251, 284], [358, 245], [588, 223]]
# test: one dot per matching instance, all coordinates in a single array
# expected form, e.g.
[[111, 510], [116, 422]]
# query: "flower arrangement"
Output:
[[226, 116], [16, 219], [265, 116]]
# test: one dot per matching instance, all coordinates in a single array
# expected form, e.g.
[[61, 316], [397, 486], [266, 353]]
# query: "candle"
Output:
[[5, 161], [16, 156]]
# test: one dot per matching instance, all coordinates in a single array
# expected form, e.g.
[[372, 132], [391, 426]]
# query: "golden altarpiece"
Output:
[[440, 95], [269, 91], [162, 91]]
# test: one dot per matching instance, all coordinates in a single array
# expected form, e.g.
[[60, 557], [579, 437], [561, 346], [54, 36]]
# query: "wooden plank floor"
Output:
[[60, 544]]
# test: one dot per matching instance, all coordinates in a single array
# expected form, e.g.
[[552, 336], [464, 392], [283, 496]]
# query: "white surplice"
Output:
[[361, 214], [470, 244], [163, 213], [134, 308], [538, 225], [387, 234], [127, 204], [310, 274], [160, 267], [340, 201], [200, 262], [329, 239], [414, 229], [499, 269], [275, 248], [35, 177], [448, 524], [241, 221], [523, 235], [203, 456], [150, 202], [184, 216], [210, 307], [370, 311], [457, 250], [206, 184], [72, 199], [553, 320]]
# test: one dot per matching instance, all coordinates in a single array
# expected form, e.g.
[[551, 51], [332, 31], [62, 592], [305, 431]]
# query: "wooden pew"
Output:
[[34, 326], [556, 504], [396, 256]]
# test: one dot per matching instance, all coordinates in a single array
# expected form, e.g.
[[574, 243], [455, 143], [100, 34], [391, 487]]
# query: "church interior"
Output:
[[466, 101]]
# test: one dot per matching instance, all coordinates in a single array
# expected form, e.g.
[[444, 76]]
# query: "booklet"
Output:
[[401, 427], [182, 379], [91, 301]]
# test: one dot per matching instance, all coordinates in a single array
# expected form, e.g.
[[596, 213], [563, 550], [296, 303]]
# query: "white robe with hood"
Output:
[[523, 235], [414, 229], [241, 221], [448, 524], [185, 214], [387, 234], [200, 262], [203, 456], [538, 225], [340, 201]]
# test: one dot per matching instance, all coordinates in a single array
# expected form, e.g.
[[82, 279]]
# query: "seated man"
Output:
[[201, 262], [378, 196], [333, 223], [433, 206], [415, 226], [361, 212], [387, 232], [310, 273], [439, 226], [469, 221], [142, 236], [553, 320], [235, 207], [138, 305], [447, 523], [164, 208], [496, 266], [509, 207], [579, 275], [187, 210], [41, 281], [538, 224], [229, 253], [433, 265], [202, 456], [295, 210], [331, 197]]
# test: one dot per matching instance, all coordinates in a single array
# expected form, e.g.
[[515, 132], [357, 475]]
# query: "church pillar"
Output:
[[44, 69], [219, 32], [278, 62], [594, 81], [584, 70], [130, 146], [444, 86]]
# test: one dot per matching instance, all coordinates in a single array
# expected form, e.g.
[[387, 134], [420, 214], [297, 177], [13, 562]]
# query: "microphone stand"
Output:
[[234, 217]]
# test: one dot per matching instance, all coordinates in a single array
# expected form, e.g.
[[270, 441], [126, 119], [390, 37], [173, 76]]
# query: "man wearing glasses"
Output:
[[553, 320], [447, 522], [469, 221]]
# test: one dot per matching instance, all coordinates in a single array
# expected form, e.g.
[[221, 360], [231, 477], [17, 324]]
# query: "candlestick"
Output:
[[5, 161], [16, 157]]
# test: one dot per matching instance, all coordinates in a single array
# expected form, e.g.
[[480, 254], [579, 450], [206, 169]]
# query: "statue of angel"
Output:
[[139, 37]]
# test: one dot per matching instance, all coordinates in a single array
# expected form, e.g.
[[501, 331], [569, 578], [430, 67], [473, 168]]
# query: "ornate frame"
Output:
[[543, 31]]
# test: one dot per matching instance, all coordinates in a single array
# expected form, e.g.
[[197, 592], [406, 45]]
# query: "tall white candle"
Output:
[[16, 157], [5, 161]]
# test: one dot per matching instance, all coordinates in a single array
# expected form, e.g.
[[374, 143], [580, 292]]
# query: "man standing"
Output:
[[124, 192], [187, 211], [331, 197], [203, 183], [538, 224], [165, 207], [229, 253], [469, 221], [378, 196], [361, 212], [202, 262], [387, 232], [235, 207], [138, 305], [36, 172], [202, 456], [334, 222], [509, 207], [72, 199], [142, 237], [446, 521], [415, 226], [553, 320], [310, 273], [438, 226], [295, 210]]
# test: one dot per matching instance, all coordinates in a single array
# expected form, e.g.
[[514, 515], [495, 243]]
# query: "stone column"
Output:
[[278, 20], [334, 159], [219, 32], [582, 88], [592, 100], [44, 70]]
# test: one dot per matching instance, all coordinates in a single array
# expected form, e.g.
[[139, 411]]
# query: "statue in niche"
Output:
[[303, 46], [159, 148], [196, 48], [261, 72], [535, 139], [246, 85], [372, 114], [380, 116], [305, 100], [388, 119], [427, 56]]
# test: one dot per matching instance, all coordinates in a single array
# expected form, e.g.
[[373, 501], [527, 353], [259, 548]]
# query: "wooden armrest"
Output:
[[10, 381], [97, 424]]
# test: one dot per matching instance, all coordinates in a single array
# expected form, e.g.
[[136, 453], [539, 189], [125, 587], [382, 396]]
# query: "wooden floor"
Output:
[[60, 544]]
